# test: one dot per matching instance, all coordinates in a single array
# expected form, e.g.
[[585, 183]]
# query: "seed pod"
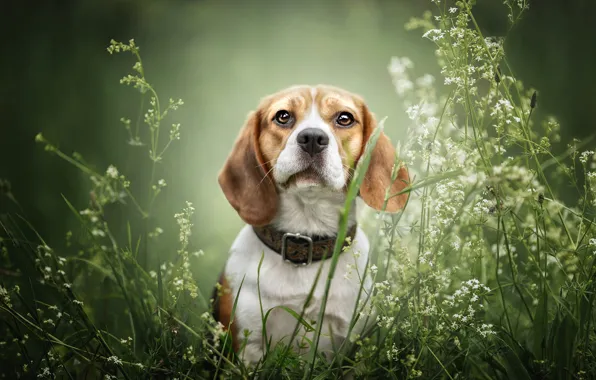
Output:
[[540, 198], [533, 100], [498, 75]]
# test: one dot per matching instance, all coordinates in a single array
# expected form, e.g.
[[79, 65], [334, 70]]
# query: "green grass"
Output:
[[486, 274]]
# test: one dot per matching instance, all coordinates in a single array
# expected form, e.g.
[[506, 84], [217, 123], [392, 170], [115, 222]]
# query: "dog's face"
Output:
[[311, 137], [306, 137]]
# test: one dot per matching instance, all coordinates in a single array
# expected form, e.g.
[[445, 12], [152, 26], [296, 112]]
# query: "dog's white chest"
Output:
[[282, 284]]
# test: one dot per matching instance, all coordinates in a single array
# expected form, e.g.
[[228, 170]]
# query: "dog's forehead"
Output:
[[328, 96], [303, 97]]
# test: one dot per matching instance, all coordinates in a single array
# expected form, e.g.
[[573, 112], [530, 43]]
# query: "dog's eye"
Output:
[[345, 119], [283, 118]]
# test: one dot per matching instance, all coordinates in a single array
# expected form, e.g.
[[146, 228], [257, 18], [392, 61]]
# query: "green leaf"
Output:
[[586, 305], [514, 366], [564, 347], [160, 289], [307, 326], [540, 327]]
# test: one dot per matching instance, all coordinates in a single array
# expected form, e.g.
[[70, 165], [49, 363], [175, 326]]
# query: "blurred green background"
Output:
[[221, 57]]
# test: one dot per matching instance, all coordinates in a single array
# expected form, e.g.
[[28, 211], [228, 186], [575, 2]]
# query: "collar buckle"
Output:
[[284, 247]]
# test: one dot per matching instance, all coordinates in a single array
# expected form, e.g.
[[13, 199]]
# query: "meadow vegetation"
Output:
[[486, 274]]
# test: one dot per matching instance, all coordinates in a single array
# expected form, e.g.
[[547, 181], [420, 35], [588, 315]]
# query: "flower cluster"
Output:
[[111, 251], [482, 214], [183, 279], [466, 300]]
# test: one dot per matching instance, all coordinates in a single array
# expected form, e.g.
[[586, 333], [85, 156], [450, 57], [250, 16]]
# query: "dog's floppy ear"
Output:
[[378, 176], [244, 178]]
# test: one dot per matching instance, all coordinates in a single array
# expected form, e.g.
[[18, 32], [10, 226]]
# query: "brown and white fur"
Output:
[[270, 178]]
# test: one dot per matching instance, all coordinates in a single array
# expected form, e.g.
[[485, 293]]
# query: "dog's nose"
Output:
[[312, 141]]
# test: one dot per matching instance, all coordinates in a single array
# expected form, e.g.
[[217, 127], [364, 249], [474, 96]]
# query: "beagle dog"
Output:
[[287, 177]]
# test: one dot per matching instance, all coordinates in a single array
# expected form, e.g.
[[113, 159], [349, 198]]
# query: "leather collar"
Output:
[[297, 246]]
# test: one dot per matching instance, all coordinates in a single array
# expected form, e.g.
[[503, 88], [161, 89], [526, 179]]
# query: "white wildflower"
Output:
[[583, 158], [112, 172], [400, 65], [5, 296], [44, 373], [97, 232], [373, 269], [426, 80], [114, 359], [183, 220]]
